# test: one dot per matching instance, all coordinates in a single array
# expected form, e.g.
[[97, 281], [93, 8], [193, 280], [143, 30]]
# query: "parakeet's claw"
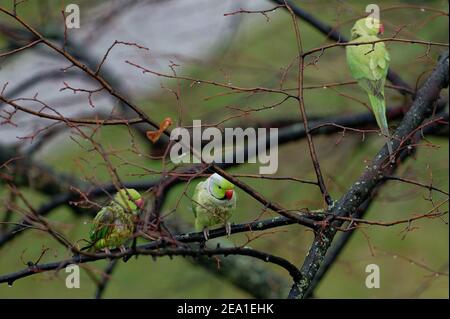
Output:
[[106, 250], [392, 159], [206, 233], [122, 249], [228, 228], [391, 154]]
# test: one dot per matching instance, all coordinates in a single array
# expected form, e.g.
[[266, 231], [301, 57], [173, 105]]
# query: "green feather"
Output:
[[113, 225], [212, 209], [369, 65]]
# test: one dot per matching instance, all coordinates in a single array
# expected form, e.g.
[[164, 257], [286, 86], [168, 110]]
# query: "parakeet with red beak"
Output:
[[213, 203], [369, 64], [114, 224]]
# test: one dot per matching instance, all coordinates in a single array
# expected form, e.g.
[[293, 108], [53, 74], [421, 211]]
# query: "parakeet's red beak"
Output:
[[140, 203], [229, 194], [381, 29]]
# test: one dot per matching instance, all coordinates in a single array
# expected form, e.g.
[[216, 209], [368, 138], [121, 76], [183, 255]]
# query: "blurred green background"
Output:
[[257, 56]]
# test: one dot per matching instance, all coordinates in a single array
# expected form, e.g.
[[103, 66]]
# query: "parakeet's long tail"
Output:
[[379, 110]]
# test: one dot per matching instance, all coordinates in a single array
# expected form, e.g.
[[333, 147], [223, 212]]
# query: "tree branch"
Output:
[[141, 250], [362, 189]]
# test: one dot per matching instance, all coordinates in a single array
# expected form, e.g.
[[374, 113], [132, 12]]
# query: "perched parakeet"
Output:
[[114, 223], [369, 64], [213, 203]]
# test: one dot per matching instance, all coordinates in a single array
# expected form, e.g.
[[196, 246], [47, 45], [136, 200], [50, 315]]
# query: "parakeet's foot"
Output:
[[228, 228], [391, 153], [392, 159], [391, 156], [122, 249], [206, 233], [106, 250]]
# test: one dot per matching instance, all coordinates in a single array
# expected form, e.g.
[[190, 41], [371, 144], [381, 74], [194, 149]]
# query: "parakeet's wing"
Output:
[[369, 64], [196, 197], [103, 223]]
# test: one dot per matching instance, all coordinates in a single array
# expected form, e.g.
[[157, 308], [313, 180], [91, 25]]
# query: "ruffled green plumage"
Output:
[[209, 203], [114, 223]]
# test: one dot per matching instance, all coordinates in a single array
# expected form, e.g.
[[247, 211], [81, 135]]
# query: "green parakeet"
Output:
[[369, 65], [213, 203], [114, 223]]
